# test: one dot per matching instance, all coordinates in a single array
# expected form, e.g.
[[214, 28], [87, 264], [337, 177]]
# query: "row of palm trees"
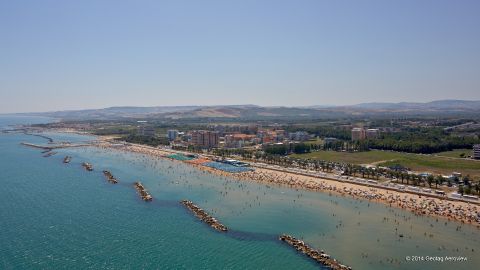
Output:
[[354, 170]]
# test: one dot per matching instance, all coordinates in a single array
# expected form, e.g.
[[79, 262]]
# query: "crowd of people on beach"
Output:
[[419, 205], [235, 183]]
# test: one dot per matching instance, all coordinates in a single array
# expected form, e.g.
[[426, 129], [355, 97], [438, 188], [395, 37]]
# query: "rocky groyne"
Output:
[[204, 216]]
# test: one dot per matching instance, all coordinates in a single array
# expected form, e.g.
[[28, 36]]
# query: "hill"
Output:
[[254, 112]]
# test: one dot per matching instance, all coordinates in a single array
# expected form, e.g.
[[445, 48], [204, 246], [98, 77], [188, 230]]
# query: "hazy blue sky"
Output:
[[91, 54]]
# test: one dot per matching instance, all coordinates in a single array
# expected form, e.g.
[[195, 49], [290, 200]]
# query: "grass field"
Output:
[[355, 158], [419, 163], [456, 153], [315, 141]]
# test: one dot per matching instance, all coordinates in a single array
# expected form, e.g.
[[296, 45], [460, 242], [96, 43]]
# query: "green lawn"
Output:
[[427, 163], [355, 158], [315, 141], [456, 153]]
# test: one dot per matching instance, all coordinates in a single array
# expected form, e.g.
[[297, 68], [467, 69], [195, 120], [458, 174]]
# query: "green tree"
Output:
[[438, 180], [430, 180]]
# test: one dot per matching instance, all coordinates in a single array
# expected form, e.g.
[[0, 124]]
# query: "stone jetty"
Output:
[[204, 216], [49, 154], [110, 177], [319, 256], [143, 192], [87, 166], [50, 140], [67, 159]]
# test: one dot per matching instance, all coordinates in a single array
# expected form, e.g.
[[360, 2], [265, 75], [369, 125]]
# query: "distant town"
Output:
[[440, 153]]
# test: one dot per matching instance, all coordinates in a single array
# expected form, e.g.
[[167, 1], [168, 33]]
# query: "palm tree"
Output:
[[416, 181], [438, 180], [413, 177], [477, 187], [407, 177], [430, 180]]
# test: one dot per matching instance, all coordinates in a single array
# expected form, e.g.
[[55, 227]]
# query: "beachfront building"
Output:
[[238, 140], [266, 136], [372, 133], [205, 138], [358, 134], [172, 134], [144, 130], [245, 129], [476, 151]]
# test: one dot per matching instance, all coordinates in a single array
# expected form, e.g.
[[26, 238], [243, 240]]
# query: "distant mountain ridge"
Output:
[[250, 111], [437, 104]]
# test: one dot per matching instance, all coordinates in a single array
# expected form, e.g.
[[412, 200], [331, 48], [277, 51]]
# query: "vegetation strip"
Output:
[[319, 256], [204, 216]]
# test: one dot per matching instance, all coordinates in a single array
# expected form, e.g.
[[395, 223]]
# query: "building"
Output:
[[476, 151], [358, 134], [172, 134], [265, 136], [328, 140], [238, 140], [299, 136], [144, 130], [372, 133], [245, 129], [205, 138]]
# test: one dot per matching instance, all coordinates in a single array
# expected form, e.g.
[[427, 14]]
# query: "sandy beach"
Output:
[[460, 211]]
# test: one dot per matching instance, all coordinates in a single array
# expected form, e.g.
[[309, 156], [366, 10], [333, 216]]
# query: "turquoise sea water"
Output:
[[59, 216]]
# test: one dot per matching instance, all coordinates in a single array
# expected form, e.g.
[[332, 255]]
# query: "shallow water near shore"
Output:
[[56, 215]]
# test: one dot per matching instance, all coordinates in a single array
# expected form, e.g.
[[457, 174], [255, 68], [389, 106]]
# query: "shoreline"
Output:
[[419, 204]]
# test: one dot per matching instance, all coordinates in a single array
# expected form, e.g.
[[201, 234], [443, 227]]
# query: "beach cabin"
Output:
[[456, 195], [470, 197], [413, 188]]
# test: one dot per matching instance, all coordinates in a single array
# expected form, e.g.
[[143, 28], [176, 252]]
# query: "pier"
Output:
[[87, 166], [67, 159], [36, 146], [110, 177], [50, 140], [53, 146], [143, 192], [204, 216], [319, 256]]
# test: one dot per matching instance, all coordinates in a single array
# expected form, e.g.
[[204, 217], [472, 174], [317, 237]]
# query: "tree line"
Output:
[[424, 141], [147, 140]]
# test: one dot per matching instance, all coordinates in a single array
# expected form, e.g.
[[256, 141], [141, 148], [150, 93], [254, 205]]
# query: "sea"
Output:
[[60, 216]]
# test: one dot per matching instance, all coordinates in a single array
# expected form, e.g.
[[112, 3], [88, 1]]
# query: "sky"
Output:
[[58, 55]]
